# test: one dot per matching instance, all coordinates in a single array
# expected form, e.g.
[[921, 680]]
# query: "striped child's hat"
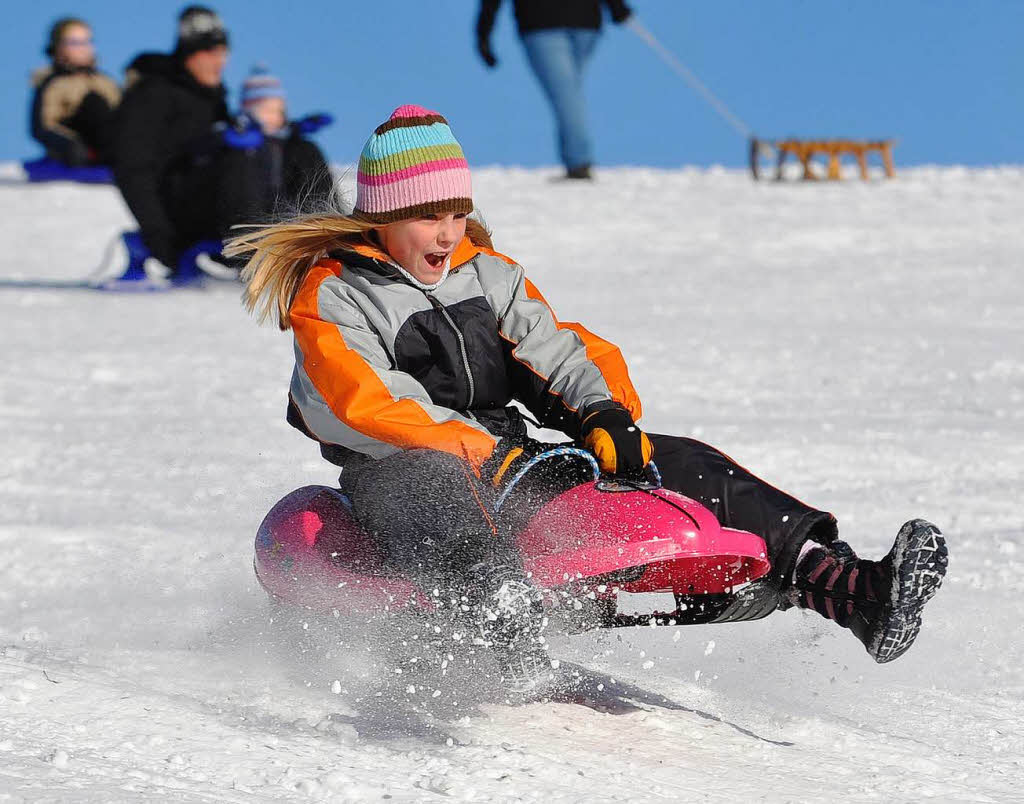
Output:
[[261, 84], [412, 165]]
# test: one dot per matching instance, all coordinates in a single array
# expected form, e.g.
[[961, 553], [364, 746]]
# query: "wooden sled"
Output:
[[805, 151]]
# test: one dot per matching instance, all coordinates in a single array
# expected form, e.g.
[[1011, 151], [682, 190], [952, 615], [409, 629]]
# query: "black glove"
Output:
[[620, 11], [621, 448], [509, 456], [483, 47]]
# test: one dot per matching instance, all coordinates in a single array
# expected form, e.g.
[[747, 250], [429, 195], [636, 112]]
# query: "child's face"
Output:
[[269, 113], [423, 246]]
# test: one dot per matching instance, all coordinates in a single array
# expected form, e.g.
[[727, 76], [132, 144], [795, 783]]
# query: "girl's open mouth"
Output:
[[436, 259]]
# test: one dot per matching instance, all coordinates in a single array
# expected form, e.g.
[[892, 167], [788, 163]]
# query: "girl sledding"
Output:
[[413, 336]]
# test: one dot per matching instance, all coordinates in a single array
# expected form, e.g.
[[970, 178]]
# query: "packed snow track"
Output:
[[859, 344]]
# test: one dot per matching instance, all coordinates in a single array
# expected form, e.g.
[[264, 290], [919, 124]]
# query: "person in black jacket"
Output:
[[559, 38], [187, 169], [285, 170], [73, 106], [166, 144]]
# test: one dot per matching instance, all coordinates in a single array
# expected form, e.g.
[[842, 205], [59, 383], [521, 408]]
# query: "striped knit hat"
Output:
[[261, 84], [412, 165]]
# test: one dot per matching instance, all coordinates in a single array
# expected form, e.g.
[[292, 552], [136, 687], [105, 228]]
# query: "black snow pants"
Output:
[[430, 516], [434, 519]]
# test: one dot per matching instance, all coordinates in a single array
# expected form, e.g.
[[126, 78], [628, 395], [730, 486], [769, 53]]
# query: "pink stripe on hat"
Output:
[[415, 170], [412, 110], [434, 187]]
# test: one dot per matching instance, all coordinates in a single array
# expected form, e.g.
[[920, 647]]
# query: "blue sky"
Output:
[[943, 76]]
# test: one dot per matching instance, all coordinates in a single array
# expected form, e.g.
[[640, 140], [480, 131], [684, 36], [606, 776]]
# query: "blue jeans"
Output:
[[558, 57]]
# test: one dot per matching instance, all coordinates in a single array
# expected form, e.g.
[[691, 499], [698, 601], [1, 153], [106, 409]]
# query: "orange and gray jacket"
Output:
[[382, 365]]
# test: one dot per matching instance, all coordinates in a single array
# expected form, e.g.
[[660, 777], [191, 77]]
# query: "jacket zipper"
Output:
[[462, 347]]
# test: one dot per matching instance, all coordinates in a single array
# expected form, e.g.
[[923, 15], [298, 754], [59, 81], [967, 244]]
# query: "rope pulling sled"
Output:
[[766, 153]]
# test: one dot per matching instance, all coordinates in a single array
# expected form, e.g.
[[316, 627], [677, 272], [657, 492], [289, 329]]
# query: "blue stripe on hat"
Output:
[[402, 139]]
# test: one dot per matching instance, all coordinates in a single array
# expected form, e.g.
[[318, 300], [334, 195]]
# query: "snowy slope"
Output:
[[861, 345]]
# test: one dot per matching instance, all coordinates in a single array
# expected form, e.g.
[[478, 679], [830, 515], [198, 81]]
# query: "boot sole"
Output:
[[919, 560], [527, 676]]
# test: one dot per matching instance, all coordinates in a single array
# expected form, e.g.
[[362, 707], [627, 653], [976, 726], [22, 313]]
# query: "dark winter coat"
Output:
[[164, 134], [72, 112], [538, 15], [286, 172]]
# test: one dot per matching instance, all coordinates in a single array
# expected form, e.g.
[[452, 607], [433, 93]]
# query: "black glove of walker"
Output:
[[621, 448], [483, 47], [620, 11]]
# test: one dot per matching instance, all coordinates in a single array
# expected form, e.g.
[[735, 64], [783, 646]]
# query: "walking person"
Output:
[[559, 39]]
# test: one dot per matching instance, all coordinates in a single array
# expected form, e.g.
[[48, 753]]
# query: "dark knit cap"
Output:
[[199, 28]]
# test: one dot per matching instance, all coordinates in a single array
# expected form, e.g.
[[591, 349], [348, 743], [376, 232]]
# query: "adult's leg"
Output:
[[556, 57], [189, 195], [740, 499]]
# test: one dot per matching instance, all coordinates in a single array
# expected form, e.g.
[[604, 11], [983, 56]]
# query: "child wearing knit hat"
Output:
[[264, 99], [412, 339]]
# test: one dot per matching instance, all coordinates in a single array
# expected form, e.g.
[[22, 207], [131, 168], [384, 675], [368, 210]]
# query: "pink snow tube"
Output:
[[586, 532], [312, 553]]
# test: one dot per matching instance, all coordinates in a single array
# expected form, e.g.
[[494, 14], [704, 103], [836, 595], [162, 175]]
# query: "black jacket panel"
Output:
[[436, 347]]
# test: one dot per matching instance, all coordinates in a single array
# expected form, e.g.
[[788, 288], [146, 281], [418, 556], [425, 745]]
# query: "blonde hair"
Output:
[[281, 254]]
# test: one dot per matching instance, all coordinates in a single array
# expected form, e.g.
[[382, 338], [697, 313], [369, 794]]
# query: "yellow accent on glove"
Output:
[[600, 442], [513, 453]]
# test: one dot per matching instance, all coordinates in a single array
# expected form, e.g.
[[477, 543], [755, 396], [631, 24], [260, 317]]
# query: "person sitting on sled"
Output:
[[188, 169], [73, 108], [281, 166], [413, 336]]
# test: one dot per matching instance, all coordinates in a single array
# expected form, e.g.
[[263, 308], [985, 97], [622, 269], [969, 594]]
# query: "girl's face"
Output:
[[423, 246], [75, 48]]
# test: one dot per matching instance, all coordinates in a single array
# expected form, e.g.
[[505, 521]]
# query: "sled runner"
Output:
[[587, 545], [126, 267]]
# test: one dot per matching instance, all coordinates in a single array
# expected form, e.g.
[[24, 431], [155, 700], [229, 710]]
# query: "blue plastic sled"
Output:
[[188, 273], [45, 169], [129, 250]]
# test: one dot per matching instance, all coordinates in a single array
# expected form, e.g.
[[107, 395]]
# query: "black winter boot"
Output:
[[880, 601], [510, 614]]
